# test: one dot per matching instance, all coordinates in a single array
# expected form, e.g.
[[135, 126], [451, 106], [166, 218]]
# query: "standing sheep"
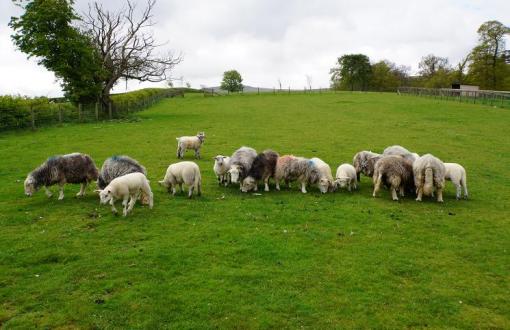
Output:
[[262, 169], [325, 182], [291, 168], [128, 188], [457, 175], [221, 167], [360, 158], [346, 176], [394, 172], [71, 168], [367, 167], [190, 142], [400, 151], [429, 174], [183, 172], [240, 163]]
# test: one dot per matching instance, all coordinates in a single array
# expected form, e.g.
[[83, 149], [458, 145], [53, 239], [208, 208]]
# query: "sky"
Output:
[[269, 40]]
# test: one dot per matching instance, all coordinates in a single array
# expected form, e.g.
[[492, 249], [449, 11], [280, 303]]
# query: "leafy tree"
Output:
[[431, 63], [232, 81], [352, 72], [46, 31], [387, 76]]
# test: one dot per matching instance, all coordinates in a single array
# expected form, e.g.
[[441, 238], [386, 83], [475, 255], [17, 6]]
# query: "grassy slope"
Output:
[[282, 259]]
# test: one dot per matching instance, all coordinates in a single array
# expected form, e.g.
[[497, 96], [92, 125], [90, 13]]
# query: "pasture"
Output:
[[275, 260]]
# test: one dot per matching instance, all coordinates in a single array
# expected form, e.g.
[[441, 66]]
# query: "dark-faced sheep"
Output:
[[71, 168], [262, 169], [240, 163], [429, 174], [190, 142], [367, 167], [395, 172], [360, 158], [400, 151], [290, 168]]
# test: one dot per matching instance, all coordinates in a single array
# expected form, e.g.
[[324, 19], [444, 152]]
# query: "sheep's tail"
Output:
[[428, 186]]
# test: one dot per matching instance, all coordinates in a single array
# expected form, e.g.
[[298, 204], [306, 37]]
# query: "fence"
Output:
[[491, 98], [214, 91], [33, 113]]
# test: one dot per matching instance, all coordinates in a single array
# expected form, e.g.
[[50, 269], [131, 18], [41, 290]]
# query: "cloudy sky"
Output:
[[267, 40]]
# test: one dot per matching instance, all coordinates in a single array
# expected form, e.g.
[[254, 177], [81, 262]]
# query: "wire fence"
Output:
[[214, 91], [490, 98]]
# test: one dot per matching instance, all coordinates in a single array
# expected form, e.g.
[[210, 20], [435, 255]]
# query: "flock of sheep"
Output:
[[123, 178]]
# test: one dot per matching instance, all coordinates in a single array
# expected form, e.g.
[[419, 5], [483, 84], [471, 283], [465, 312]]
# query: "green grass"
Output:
[[280, 260]]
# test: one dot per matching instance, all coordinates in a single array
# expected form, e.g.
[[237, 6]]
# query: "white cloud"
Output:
[[266, 40]]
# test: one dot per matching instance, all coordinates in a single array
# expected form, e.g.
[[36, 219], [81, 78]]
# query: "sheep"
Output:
[[262, 169], [396, 172], [221, 167], [291, 168], [183, 172], [240, 163], [190, 142], [346, 176], [429, 173], [127, 187], [457, 175], [70, 168], [368, 165], [400, 151], [325, 182], [360, 158]]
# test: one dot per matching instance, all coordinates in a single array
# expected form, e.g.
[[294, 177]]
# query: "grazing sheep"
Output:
[[325, 182], [221, 167], [262, 169], [128, 188], [346, 176], [240, 163], [71, 168], [291, 168], [429, 173], [400, 151], [183, 172], [395, 172], [190, 142], [457, 175], [367, 166], [360, 158]]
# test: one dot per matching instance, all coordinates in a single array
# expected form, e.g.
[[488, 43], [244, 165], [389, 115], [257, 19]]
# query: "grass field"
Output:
[[280, 260]]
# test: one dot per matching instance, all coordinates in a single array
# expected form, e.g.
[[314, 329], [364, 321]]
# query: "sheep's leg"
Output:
[[277, 185], [48, 192], [81, 193], [174, 190], [132, 202], [394, 195], [419, 192], [288, 183], [440, 195], [349, 186], [358, 175], [61, 191], [124, 205], [197, 153], [303, 187], [190, 191], [256, 188], [464, 184], [459, 191], [112, 203], [266, 184], [401, 190], [377, 186], [180, 188]]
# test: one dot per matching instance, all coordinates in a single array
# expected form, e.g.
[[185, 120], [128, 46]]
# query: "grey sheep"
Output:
[[400, 151], [290, 168], [240, 164], [395, 172], [360, 158], [71, 168]]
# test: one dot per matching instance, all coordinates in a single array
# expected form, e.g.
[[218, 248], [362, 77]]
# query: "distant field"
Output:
[[281, 260]]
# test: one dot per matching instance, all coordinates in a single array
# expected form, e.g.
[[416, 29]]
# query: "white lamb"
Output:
[[346, 177], [221, 167], [126, 187], [190, 142], [325, 183], [183, 172], [457, 175]]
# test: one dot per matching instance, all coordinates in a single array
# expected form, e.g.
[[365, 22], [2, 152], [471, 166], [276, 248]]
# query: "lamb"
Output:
[[183, 172], [262, 169], [400, 151], [240, 163], [128, 188], [396, 172], [190, 142], [291, 168], [360, 158], [346, 176], [221, 167], [368, 165], [457, 175], [70, 168], [325, 182], [429, 174]]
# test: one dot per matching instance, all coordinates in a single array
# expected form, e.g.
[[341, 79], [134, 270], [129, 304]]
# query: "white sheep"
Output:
[[457, 175], [221, 167], [346, 176], [190, 142], [183, 172], [325, 183], [126, 187]]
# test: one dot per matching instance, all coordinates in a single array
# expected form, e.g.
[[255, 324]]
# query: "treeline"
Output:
[[486, 66]]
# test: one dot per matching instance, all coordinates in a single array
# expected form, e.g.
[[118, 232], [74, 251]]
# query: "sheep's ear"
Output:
[[98, 191], [161, 182]]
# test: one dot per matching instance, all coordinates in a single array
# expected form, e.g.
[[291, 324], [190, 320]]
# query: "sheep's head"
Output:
[[342, 182], [248, 184], [235, 171], [324, 185], [201, 136], [220, 160], [105, 195], [30, 186]]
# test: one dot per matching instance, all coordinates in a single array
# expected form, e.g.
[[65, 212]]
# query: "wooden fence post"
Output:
[[32, 116], [110, 110], [96, 108], [258, 90], [79, 112], [128, 107]]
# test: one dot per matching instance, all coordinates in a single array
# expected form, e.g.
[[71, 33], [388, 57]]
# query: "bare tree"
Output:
[[309, 81], [126, 45], [280, 84]]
